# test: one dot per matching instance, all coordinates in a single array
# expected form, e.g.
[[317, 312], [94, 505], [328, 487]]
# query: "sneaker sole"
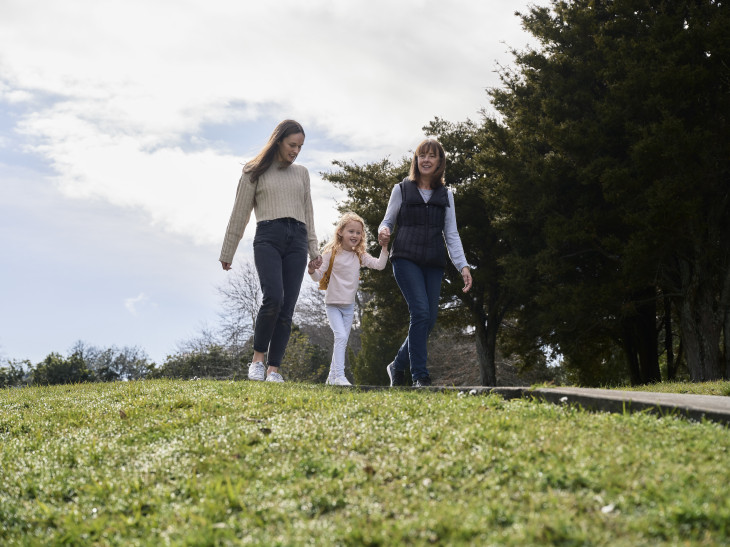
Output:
[[390, 375]]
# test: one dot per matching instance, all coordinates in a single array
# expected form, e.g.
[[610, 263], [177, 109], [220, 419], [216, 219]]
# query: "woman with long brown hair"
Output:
[[278, 192]]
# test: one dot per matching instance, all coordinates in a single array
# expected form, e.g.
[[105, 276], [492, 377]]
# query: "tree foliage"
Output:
[[14, 374], [56, 369], [113, 363], [612, 153], [305, 361], [210, 361]]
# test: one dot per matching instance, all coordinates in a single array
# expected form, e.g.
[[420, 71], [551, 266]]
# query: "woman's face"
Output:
[[289, 147], [428, 162], [351, 235]]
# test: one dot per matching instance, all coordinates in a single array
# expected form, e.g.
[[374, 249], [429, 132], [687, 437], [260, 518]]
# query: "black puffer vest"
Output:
[[420, 236]]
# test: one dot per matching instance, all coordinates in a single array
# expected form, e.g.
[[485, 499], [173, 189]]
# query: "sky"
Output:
[[124, 125]]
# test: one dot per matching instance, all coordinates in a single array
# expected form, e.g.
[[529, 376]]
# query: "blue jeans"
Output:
[[280, 254], [421, 287]]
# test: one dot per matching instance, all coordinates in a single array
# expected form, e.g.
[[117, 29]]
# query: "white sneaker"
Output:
[[339, 381], [257, 371], [275, 377]]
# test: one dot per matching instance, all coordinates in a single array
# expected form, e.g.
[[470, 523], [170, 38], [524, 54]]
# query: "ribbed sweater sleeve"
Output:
[[279, 193]]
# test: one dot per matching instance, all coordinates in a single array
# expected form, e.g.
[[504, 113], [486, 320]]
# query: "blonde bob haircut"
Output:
[[426, 146], [335, 244]]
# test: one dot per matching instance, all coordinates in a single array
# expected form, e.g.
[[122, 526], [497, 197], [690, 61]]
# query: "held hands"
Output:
[[384, 237], [466, 276], [314, 264]]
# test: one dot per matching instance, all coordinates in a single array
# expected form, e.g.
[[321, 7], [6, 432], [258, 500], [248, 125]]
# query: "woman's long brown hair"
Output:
[[258, 166]]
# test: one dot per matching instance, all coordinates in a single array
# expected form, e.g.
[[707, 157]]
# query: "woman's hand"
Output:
[[466, 276], [226, 265], [384, 236]]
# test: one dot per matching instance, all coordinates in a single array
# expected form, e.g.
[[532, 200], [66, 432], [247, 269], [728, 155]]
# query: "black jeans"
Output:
[[280, 254]]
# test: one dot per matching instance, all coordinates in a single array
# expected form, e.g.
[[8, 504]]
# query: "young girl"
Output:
[[342, 259]]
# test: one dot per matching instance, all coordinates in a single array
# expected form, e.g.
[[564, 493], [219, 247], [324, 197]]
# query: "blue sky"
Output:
[[124, 125]]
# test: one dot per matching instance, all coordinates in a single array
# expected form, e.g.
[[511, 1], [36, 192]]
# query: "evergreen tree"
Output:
[[614, 177], [55, 369], [14, 373], [212, 361]]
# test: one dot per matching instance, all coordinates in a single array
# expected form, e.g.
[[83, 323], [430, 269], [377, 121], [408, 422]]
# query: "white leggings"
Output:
[[340, 317]]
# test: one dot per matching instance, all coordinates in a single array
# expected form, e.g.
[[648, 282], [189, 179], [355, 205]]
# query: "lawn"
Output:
[[229, 463], [720, 387]]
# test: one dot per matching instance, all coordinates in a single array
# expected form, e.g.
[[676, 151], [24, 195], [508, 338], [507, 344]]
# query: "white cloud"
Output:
[[129, 86], [123, 126], [134, 303]]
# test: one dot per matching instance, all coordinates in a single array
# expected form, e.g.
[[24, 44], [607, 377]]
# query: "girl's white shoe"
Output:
[[274, 377], [338, 381]]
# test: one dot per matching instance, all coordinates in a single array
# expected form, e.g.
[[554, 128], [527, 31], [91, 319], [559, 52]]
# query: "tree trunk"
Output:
[[648, 353], [726, 343], [725, 306], [632, 357], [639, 337], [485, 335], [485, 344], [668, 338], [699, 325]]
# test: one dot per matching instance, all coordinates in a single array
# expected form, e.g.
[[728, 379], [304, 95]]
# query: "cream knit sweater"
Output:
[[279, 193]]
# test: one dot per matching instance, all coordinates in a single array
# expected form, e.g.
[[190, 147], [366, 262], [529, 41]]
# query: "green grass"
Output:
[[230, 463], [721, 387]]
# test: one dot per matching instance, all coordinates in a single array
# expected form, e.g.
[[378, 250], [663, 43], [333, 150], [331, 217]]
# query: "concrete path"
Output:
[[696, 407], [710, 407]]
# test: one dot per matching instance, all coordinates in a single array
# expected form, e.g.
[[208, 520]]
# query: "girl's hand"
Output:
[[466, 276], [384, 236], [314, 264], [226, 265]]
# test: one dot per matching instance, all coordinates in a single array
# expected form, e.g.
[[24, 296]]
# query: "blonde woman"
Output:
[[278, 191], [342, 259]]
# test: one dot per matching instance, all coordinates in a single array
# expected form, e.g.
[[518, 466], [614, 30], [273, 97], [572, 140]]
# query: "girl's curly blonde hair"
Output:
[[335, 244]]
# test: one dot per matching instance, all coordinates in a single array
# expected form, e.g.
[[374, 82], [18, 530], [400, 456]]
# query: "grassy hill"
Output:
[[219, 463]]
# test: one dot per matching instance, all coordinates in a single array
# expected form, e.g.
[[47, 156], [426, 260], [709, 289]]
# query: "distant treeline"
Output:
[[304, 362]]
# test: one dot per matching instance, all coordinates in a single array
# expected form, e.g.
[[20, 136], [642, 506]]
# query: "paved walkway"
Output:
[[710, 407], [696, 407]]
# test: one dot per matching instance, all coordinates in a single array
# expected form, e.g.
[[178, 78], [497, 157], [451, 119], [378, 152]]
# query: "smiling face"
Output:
[[428, 163], [289, 147], [351, 234]]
